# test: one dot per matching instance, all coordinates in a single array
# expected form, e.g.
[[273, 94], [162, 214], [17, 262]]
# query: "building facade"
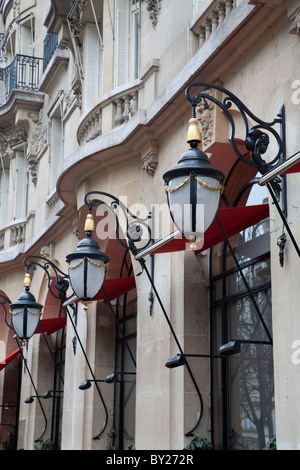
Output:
[[92, 98]]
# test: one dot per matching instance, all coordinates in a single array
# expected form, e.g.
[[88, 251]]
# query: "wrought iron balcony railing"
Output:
[[50, 46], [22, 74]]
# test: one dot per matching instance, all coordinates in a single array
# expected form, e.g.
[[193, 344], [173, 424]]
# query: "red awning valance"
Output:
[[9, 358], [116, 287], [50, 325], [233, 220]]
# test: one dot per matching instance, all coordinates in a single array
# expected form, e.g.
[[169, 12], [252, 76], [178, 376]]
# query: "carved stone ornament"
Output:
[[150, 163], [33, 168], [35, 124], [153, 6], [45, 251], [205, 116], [8, 139], [150, 157], [295, 28], [16, 7]]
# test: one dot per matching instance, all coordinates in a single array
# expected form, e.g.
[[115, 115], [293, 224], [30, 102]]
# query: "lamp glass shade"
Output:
[[87, 278], [87, 269], [194, 190], [193, 209], [25, 316]]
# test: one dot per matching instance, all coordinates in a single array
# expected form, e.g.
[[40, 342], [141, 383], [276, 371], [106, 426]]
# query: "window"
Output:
[[135, 35], [27, 34], [91, 66], [4, 196], [127, 41], [21, 186], [57, 146], [243, 390]]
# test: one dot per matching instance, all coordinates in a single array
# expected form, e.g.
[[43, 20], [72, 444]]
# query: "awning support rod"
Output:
[[280, 169], [157, 244], [283, 218]]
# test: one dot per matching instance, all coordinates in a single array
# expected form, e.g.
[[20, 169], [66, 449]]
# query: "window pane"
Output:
[[251, 397], [243, 391]]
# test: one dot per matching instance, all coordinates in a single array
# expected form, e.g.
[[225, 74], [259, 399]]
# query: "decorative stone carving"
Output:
[[35, 132], [295, 29], [76, 27], [205, 116], [45, 251], [77, 90], [213, 123], [150, 163], [75, 21], [150, 158], [153, 6], [16, 7], [33, 168], [8, 139], [3, 50]]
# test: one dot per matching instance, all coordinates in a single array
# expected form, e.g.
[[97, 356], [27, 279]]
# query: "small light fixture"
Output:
[[111, 378], [85, 385], [25, 313], [193, 189], [228, 349], [87, 266], [176, 361], [47, 394], [29, 400]]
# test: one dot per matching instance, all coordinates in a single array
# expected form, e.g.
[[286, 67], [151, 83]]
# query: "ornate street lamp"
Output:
[[193, 188], [25, 313], [87, 266]]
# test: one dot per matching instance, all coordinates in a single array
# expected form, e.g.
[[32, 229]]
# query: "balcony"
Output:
[[22, 74], [50, 46]]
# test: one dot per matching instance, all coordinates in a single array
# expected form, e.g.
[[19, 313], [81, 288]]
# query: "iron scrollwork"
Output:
[[136, 230], [61, 279], [256, 138]]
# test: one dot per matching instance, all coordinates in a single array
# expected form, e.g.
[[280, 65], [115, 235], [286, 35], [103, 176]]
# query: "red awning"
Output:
[[233, 220], [9, 358], [116, 287], [50, 325], [294, 169]]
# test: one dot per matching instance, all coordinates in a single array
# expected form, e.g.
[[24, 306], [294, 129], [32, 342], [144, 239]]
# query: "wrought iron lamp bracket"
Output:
[[61, 279], [256, 138], [137, 228], [3, 301]]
